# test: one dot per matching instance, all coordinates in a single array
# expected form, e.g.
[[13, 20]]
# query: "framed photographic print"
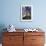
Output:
[[26, 13]]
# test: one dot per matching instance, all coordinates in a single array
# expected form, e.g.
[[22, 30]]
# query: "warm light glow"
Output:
[[44, 44]]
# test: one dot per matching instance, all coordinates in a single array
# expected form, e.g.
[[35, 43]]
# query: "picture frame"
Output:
[[26, 12]]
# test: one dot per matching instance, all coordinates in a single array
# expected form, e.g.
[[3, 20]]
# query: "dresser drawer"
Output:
[[34, 33], [13, 33], [33, 39], [12, 44], [37, 44], [27, 41], [12, 39], [37, 39]]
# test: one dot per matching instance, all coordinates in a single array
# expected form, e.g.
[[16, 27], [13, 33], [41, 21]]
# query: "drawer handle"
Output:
[[11, 38], [33, 39]]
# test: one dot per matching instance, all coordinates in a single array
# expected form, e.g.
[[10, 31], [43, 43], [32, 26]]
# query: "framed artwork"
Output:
[[26, 12]]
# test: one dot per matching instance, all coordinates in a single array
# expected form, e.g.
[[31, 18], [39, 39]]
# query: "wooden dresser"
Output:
[[23, 39]]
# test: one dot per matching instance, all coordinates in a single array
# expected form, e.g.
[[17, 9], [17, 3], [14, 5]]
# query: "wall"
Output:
[[10, 13]]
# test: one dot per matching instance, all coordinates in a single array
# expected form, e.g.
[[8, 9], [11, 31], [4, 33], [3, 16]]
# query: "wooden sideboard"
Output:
[[23, 39]]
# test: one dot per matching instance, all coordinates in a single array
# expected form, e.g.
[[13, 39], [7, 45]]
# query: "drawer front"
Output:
[[37, 45], [12, 45], [27, 41], [13, 33], [8, 45], [5, 39], [34, 34], [13, 40], [33, 39], [37, 39]]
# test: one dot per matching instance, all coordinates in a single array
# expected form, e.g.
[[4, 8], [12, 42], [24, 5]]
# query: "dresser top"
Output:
[[22, 30]]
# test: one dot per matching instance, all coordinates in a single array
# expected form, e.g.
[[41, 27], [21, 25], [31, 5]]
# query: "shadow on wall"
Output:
[[2, 26]]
